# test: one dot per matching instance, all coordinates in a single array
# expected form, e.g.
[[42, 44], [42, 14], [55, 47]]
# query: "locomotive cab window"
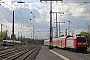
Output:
[[5, 41], [81, 39]]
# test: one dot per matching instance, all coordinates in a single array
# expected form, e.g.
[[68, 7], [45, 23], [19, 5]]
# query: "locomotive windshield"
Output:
[[5, 42], [81, 39]]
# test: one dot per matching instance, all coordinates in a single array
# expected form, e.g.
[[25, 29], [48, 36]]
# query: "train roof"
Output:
[[46, 40], [8, 40], [63, 37], [12, 41]]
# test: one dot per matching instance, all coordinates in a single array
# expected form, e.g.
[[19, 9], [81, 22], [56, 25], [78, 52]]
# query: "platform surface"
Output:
[[46, 54]]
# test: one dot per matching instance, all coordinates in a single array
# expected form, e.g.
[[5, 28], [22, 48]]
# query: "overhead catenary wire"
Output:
[[10, 14], [18, 12], [6, 10], [23, 14], [71, 2]]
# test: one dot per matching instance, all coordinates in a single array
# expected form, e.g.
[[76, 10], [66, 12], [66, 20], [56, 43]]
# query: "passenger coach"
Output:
[[78, 43], [10, 42]]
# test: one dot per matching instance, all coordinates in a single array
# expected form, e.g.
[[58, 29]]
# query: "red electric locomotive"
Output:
[[78, 43]]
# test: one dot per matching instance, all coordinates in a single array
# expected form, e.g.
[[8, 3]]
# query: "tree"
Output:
[[86, 34], [4, 36]]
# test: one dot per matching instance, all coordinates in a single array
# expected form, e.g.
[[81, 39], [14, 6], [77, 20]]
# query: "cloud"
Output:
[[77, 1], [41, 17]]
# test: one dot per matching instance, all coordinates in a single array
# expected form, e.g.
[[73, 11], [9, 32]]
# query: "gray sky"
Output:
[[75, 11]]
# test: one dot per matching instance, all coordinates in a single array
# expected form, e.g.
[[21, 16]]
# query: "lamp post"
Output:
[[50, 44]]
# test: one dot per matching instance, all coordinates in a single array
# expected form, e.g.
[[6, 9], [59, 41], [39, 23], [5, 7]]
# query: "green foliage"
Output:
[[86, 34], [3, 36], [1, 43]]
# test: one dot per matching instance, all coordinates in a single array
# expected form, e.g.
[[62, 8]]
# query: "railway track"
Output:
[[20, 53], [5, 48], [27, 55]]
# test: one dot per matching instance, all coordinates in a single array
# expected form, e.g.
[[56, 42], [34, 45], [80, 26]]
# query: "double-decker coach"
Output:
[[46, 42], [55, 42], [78, 43]]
